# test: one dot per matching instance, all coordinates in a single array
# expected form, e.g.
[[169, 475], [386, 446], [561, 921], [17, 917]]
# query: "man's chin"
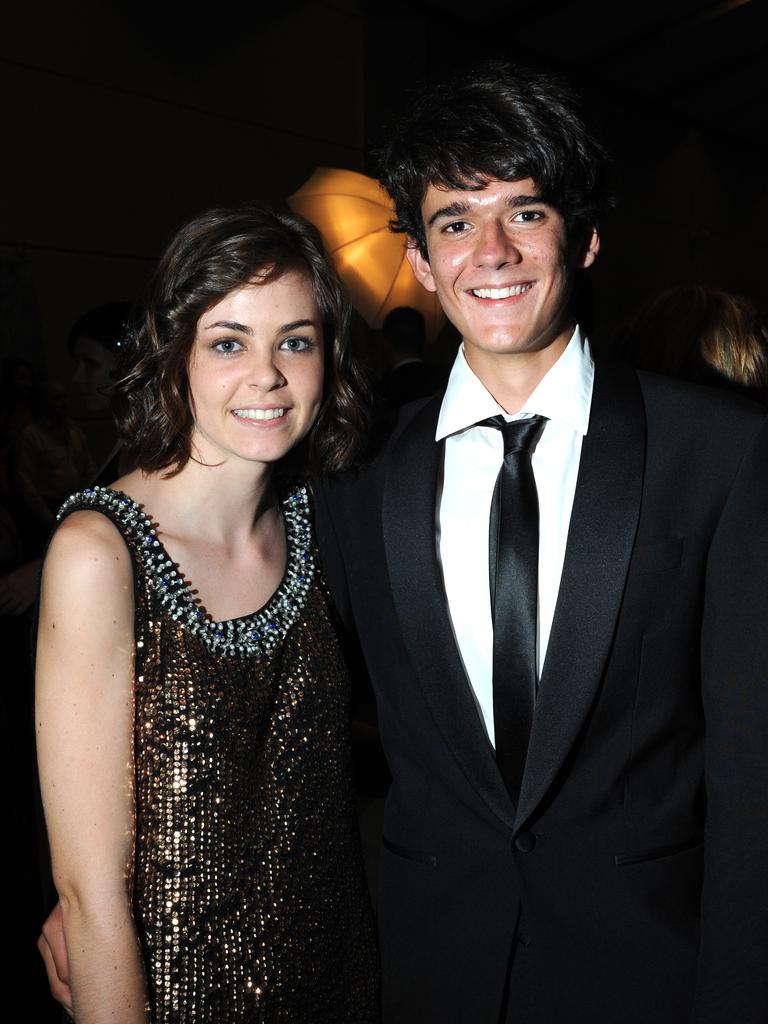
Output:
[[502, 348]]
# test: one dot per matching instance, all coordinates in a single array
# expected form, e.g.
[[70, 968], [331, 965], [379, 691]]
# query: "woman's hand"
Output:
[[53, 950]]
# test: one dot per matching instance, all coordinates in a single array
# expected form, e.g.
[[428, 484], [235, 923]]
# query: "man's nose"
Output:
[[494, 247]]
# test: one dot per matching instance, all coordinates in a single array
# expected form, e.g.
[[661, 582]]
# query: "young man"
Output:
[[577, 828], [564, 619]]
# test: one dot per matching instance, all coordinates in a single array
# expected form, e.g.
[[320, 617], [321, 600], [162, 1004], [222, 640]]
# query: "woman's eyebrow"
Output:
[[229, 325], [233, 325], [295, 324]]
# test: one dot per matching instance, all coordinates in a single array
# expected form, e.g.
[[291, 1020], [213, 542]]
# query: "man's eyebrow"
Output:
[[460, 208], [514, 201], [455, 209]]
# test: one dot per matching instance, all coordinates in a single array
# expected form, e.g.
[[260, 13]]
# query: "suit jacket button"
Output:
[[525, 842]]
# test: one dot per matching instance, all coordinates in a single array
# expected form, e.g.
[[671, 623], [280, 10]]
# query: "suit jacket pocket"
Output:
[[409, 854], [642, 856], [658, 556]]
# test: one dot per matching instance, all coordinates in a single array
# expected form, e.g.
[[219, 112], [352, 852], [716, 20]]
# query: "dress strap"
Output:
[[135, 528], [260, 633]]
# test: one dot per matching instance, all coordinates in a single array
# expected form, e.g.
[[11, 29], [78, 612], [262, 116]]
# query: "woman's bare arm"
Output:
[[84, 721]]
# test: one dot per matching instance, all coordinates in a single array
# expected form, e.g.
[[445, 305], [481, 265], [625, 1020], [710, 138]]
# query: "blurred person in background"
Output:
[[95, 342], [701, 334], [51, 460], [17, 387], [410, 376]]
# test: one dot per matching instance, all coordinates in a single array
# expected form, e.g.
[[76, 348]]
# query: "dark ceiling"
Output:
[[677, 91], [706, 62]]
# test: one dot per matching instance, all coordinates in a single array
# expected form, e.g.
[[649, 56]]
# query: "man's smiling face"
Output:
[[501, 265]]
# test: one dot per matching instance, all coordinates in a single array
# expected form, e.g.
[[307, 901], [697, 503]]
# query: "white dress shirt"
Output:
[[472, 459]]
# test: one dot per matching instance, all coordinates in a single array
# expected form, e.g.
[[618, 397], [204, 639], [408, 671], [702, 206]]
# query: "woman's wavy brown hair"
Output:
[[212, 255]]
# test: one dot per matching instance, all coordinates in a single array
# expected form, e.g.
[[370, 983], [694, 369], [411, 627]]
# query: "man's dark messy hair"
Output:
[[502, 122]]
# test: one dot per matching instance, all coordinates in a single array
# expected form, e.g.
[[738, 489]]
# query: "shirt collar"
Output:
[[564, 394]]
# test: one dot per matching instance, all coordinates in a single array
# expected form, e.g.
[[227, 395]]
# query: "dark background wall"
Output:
[[122, 118]]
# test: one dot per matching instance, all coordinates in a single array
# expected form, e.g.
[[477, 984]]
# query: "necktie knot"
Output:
[[519, 435]]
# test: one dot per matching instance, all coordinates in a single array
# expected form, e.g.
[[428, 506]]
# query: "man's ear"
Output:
[[589, 250], [420, 266]]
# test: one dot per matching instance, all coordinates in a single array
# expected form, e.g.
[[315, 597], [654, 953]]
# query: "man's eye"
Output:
[[293, 344], [455, 227], [528, 216], [227, 346]]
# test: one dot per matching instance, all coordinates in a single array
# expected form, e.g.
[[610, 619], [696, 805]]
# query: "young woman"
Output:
[[192, 702]]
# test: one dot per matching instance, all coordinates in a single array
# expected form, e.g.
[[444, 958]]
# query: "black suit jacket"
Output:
[[630, 884], [410, 381]]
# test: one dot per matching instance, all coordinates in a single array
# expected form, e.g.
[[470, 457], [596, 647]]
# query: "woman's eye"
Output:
[[227, 346], [296, 344]]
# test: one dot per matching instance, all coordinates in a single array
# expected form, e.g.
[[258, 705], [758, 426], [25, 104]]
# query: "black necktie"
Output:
[[514, 577]]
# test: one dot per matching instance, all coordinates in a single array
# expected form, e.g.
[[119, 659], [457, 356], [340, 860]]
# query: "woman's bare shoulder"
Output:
[[87, 549]]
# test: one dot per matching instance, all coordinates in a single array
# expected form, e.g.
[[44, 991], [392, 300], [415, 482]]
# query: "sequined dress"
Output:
[[249, 894]]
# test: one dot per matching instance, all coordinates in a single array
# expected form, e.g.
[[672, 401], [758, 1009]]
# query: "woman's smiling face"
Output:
[[256, 371]]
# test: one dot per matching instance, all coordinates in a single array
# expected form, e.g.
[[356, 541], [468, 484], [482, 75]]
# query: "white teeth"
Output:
[[500, 293], [259, 414]]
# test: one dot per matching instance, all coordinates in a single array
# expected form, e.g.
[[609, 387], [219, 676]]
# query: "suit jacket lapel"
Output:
[[417, 586], [603, 525]]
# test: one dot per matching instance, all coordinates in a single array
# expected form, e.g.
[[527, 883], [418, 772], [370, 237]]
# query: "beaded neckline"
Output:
[[255, 634]]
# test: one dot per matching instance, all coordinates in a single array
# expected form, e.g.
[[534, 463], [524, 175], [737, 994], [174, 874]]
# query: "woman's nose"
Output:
[[266, 374]]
